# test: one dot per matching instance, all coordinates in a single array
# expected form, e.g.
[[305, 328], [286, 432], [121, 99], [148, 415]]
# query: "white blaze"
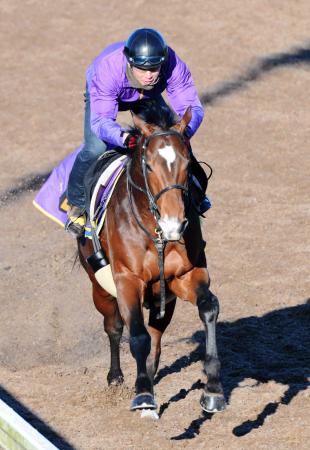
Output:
[[168, 154]]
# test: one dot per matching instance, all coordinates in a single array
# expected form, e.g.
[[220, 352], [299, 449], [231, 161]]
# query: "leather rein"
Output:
[[159, 241]]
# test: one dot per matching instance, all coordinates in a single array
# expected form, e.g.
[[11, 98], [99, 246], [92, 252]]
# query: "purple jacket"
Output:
[[109, 89]]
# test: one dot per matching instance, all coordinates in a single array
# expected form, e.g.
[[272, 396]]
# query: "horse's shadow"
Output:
[[275, 347]]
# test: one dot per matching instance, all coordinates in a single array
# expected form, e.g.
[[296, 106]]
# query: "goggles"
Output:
[[146, 61]]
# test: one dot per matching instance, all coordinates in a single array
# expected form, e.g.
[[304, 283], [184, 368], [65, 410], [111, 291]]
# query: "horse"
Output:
[[152, 238]]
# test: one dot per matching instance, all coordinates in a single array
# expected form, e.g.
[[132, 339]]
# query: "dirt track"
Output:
[[251, 64]]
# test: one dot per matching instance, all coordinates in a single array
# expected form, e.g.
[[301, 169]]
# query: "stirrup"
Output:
[[76, 222], [75, 229]]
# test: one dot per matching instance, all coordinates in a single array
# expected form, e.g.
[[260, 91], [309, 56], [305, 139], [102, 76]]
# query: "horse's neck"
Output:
[[136, 170], [139, 200]]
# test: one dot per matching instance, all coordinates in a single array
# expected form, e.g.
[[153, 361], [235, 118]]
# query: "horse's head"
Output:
[[164, 159]]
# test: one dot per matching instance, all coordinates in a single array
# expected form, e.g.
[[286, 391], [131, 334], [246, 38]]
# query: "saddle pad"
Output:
[[47, 200], [51, 197]]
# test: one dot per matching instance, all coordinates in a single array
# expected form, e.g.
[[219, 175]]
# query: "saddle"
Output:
[[100, 181], [95, 171]]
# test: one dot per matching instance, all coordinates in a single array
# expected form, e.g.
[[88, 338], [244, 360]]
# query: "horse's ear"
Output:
[[180, 126], [145, 128]]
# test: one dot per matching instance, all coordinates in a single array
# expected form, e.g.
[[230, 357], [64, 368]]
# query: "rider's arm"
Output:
[[182, 92], [103, 92]]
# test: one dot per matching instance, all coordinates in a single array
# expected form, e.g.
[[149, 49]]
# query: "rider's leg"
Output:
[[200, 182], [92, 149]]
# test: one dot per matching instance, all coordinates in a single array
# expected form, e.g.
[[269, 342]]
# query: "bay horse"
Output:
[[153, 241]]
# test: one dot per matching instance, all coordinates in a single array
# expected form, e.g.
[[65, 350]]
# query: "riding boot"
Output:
[[76, 221], [200, 184], [204, 205]]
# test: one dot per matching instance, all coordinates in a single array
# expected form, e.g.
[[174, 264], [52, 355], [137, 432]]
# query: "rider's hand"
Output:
[[130, 140]]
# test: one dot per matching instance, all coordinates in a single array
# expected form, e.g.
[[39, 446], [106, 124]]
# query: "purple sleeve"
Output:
[[104, 104], [182, 92]]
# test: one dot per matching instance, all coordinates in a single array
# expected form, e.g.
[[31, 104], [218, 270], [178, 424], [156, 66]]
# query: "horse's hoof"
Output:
[[118, 381], [143, 401], [212, 403], [115, 379]]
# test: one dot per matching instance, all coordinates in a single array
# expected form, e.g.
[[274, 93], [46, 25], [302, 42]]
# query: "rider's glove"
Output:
[[130, 140]]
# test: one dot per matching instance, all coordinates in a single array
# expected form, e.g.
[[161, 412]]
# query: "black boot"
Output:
[[75, 224]]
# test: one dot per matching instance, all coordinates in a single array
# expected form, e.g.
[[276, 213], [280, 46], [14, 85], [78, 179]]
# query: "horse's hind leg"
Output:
[[113, 326], [212, 399], [107, 306]]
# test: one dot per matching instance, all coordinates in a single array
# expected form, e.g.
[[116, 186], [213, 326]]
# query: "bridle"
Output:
[[153, 198], [159, 241]]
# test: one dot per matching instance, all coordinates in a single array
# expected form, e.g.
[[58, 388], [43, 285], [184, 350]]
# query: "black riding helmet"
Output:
[[145, 48]]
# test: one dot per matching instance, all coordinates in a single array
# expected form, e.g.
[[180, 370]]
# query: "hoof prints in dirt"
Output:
[[114, 395]]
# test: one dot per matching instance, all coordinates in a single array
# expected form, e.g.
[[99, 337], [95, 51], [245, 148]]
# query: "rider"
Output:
[[122, 75]]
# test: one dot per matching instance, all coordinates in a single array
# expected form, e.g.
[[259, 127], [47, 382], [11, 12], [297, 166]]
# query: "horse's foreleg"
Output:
[[212, 399], [129, 294], [194, 287], [140, 347], [156, 329]]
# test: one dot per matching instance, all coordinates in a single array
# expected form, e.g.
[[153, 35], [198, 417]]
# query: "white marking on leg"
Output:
[[168, 154], [149, 413]]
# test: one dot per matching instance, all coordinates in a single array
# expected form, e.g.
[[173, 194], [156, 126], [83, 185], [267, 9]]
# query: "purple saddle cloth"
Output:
[[51, 198]]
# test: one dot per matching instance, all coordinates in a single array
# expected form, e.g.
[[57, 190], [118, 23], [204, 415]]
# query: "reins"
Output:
[[159, 241]]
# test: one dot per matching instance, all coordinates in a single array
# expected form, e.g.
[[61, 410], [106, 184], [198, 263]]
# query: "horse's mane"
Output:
[[155, 113]]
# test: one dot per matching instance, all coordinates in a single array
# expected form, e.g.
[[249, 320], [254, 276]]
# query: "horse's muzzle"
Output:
[[172, 228]]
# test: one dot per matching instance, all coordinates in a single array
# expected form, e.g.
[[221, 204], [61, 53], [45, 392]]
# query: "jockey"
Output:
[[123, 74]]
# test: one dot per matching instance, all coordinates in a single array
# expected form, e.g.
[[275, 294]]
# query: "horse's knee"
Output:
[[113, 328], [140, 345], [208, 305]]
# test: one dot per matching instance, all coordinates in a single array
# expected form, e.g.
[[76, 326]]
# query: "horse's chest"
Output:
[[175, 264]]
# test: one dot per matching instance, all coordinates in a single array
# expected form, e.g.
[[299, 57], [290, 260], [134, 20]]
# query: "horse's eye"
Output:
[[149, 168]]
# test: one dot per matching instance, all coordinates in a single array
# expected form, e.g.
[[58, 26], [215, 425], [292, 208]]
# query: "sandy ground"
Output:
[[251, 63]]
